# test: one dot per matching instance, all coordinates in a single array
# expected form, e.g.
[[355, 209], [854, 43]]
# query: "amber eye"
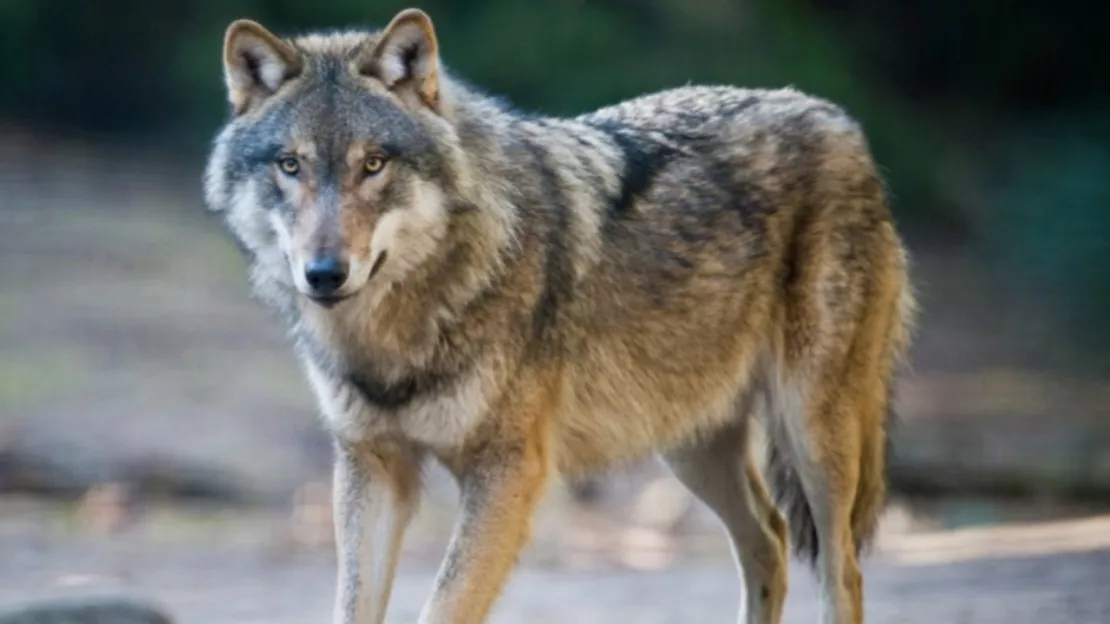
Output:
[[374, 164], [289, 165]]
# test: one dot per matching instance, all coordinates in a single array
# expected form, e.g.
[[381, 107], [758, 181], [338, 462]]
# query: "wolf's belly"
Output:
[[635, 410]]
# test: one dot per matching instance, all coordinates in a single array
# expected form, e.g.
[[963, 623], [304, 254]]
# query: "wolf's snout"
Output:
[[325, 275]]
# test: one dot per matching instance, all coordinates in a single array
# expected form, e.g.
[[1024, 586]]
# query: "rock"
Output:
[[60, 470], [85, 610], [662, 504]]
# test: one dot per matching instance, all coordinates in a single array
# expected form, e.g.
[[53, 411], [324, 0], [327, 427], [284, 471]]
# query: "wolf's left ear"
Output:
[[256, 63], [406, 56]]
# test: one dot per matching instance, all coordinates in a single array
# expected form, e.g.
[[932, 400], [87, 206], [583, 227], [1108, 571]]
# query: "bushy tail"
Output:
[[789, 495], [875, 446], [878, 443], [871, 491]]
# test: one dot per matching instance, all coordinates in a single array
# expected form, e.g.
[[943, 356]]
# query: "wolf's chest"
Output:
[[431, 410]]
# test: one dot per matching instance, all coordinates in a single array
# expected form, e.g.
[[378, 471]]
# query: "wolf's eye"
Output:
[[374, 164], [289, 165]]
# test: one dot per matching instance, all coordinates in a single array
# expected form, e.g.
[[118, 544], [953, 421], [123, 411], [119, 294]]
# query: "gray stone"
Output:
[[85, 610]]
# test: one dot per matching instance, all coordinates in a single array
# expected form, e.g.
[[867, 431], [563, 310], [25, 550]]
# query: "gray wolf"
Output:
[[519, 297]]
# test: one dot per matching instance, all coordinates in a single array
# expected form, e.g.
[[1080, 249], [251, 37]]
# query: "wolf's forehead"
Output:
[[332, 111]]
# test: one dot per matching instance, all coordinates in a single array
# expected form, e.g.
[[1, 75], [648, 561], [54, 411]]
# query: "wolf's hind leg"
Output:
[[721, 472]]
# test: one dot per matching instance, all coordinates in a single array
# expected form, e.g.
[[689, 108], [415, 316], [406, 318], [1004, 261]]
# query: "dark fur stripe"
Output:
[[379, 393], [643, 160], [393, 395], [558, 273], [731, 110]]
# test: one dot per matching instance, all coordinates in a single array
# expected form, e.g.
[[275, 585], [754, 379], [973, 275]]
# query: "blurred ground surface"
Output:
[[227, 568]]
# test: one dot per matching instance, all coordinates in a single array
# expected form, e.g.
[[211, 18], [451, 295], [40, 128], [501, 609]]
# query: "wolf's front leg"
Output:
[[501, 489], [376, 491]]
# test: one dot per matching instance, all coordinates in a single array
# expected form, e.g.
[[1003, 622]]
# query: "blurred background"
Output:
[[156, 435]]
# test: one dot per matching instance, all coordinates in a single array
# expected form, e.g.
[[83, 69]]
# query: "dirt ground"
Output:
[[228, 567]]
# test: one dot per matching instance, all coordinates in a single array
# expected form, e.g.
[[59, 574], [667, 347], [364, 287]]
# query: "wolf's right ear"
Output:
[[256, 64]]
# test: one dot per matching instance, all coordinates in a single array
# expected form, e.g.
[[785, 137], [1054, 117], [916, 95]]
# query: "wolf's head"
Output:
[[335, 163]]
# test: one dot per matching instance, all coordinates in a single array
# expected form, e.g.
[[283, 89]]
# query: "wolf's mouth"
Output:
[[378, 262], [327, 301]]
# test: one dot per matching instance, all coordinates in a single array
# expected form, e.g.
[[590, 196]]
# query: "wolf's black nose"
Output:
[[325, 275]]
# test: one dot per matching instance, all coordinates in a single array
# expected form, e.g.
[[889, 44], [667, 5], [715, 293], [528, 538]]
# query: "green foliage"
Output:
[[1046, 215]]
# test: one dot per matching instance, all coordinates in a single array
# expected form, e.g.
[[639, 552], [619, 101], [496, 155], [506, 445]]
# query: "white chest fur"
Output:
[[439, 420]]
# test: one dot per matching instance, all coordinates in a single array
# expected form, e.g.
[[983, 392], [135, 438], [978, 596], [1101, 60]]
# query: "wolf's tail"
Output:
[[870, 499], [875, 446], [786, 489]]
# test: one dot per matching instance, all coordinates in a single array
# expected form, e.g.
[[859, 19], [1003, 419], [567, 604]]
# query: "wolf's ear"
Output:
[[256, 64], [406, 56]]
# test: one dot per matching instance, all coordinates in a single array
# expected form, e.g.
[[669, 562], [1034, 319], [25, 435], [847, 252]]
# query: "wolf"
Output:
[[520, 297]]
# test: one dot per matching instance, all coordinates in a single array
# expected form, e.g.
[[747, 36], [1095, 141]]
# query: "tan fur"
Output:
[[722, 473], [560, 296]]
